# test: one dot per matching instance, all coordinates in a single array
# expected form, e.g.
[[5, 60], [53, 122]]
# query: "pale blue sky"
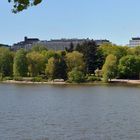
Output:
[[116, 20]]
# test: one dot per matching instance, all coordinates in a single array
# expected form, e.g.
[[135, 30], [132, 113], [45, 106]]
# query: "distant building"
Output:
[[54, 44], [61, 44], [134, 42], [26, 44]]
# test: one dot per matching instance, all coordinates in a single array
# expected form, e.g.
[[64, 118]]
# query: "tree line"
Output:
[[86, 62]]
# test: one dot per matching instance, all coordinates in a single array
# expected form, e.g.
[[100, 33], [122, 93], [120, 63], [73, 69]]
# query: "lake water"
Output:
[[47, 112]]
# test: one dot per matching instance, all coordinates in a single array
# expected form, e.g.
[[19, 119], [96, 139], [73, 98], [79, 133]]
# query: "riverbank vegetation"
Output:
[[85, 62]]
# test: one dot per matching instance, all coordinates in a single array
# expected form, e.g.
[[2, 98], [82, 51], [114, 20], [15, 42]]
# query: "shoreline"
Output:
[[127, 81], [113, 81]]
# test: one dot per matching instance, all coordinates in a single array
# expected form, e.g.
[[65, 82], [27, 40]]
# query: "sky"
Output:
[[115, 20]]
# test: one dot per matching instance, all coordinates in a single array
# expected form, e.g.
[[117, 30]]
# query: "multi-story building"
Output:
[[57, 44], [135, 41]]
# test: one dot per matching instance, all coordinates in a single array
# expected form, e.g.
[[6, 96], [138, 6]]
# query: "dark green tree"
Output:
[[6, 62], [56, 68], [71, 48], [92, 58]]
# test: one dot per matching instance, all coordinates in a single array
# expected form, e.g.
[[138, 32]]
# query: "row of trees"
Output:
[[86, 61], [121, 62], [40, 62], [73, 63]]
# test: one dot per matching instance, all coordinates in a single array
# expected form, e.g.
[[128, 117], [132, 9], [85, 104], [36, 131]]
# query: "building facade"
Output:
[[134, 42], [55, 44]]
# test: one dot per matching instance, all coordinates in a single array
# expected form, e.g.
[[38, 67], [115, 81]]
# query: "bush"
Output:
[[76, 76], [18, 78], [8, 78], [93, 78], [37, 79]]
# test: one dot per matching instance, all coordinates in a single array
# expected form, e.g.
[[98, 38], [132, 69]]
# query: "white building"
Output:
[[134, 42]]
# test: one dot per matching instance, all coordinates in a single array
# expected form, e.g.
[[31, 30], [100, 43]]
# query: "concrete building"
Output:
[[61, 44], [134, 42], [57, 44]]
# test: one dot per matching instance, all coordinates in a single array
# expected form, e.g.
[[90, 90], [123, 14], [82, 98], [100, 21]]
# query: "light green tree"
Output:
[[38, 48], [20, 67], [129, 67], [109, 69], [50, 68], [118, 51], [75, 60], [76, 76], [36, 63]]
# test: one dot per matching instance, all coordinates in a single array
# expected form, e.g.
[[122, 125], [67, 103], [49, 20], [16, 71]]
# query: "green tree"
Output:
[[6, 62], [38, 48], [109, 69], [56, 68], [48, 54], [92, 58], [20, 67], [19, 5], [75, 60], [108, 48], [129, 67], [70, 48], [36, 63], [76, 76], [137, 51]]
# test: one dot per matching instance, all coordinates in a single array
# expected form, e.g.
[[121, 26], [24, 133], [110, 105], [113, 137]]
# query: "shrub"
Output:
[[8, 78], [93, 78], [37, 79], [76, 76], [18, 78]]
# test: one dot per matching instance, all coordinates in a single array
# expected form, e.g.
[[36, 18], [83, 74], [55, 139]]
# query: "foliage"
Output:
[[92, 57], [18, 78], [75, 60], [6, 62], [19, 5], [76, 76], [20, 67], [8, 78], [109, 68], [38, 48], [37, 79], [118, 51], [36, 63], [71, 48], [49, 54], [129, 67], [56, 68], [92, 78]]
